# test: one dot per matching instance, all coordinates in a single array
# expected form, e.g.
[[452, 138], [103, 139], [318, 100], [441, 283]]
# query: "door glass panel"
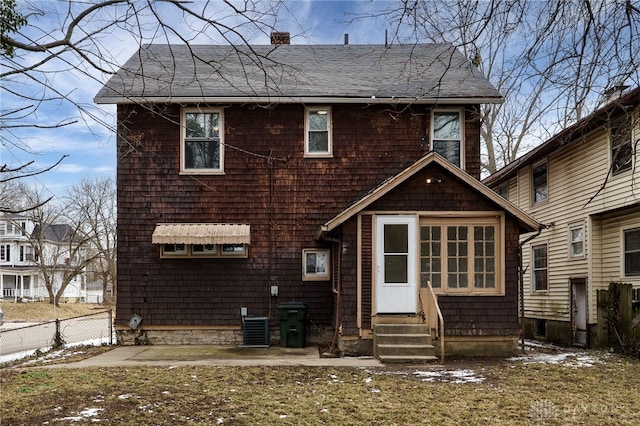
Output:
[[395, 269], [396, 239]]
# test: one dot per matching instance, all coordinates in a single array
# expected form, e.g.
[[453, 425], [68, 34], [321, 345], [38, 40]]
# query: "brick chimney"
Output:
[[280, 37]]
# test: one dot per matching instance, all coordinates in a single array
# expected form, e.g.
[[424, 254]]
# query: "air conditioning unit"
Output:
[[256, 332]]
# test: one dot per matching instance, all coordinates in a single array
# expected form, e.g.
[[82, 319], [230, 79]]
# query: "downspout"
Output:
[[336, 320], [521, 279]]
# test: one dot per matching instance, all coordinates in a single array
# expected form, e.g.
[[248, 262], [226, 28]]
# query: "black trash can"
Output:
[[293, 324]]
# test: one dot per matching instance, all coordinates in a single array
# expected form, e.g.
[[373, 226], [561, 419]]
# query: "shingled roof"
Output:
[[421, 73]]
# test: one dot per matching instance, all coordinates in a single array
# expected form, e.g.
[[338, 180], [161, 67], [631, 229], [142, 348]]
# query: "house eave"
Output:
[[527, 222], [105, 100]]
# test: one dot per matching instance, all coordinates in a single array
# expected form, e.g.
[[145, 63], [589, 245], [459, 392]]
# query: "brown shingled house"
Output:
[[343, 177]]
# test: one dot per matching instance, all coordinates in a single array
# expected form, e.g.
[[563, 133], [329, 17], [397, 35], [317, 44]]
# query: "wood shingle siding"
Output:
[[267, 184]]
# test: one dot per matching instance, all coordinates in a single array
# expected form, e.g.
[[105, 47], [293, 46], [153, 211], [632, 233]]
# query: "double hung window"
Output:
[[318, 141], [576, 241], [202, 148], [446, 137], [540, 268]]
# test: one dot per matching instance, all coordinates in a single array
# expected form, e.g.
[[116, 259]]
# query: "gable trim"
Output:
[[394, 181]]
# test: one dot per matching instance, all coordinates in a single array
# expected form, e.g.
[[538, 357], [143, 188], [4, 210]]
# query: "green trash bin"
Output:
[[293, 327]]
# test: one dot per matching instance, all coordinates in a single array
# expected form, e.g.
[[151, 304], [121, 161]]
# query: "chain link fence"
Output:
[[93, 329]]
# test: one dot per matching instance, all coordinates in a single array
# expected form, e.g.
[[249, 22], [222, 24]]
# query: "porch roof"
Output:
[[526, 221], [201, 233]]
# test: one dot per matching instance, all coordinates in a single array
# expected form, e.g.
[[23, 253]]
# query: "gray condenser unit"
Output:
[[256, 331]]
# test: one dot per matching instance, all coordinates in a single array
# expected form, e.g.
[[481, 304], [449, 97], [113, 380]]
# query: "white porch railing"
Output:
[[432, 314]]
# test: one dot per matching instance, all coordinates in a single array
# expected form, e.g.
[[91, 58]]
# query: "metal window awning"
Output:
[[201, 233]]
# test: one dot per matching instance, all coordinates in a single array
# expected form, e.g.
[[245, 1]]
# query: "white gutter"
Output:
[[293, 100]]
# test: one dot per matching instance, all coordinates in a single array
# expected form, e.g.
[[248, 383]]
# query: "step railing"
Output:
[[432, 314]]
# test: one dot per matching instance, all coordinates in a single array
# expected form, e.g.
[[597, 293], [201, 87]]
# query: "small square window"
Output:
[[233, 250], [315, 265], [318, 132], [204, 249], [174, 249], [576, 241]]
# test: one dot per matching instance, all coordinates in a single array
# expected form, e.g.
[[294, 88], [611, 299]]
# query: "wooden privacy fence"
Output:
[[619, 319]]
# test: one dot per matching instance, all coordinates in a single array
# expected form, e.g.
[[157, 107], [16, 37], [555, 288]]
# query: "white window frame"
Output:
[[321, 274], [623, 250], [183, 140], [216, 251], [307, 131], [572, 242], [497, 222], [535, 201], [534, 288], [461, 139]]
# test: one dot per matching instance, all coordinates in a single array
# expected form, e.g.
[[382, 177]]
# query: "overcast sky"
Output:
[[88, 139]]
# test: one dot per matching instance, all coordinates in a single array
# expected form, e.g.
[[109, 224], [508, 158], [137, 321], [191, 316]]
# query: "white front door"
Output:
[[396, 277]]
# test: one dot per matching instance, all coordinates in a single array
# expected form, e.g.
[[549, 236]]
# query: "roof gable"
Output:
[[393, 182], [567, 136], [296, 73]]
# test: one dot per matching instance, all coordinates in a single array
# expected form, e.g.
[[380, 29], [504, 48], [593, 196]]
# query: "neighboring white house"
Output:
[[584, 184], [21, 253]]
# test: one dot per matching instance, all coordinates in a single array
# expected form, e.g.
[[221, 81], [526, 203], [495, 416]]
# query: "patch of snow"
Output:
[[570, 359], [125, 396], [368, 380], [374, 390], [449, 376], [83, 415]]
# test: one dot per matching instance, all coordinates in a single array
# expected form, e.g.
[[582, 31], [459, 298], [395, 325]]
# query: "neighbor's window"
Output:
[[503, 190], [202, 148], [461, 255], [576, 241], [5, 253], [315, 265], [447, 135], [318, 132], [621, 149], [632, 252], [540, 268], [539, 177]]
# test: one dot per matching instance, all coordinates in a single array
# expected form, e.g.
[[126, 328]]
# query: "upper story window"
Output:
[[540, 183], [621, 149], [318, 132], [5, 253], [202, 147], [446, 135], [503, 190], [632, 252]]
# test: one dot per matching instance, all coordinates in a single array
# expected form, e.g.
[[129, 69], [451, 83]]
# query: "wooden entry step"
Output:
[[403, 343]]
